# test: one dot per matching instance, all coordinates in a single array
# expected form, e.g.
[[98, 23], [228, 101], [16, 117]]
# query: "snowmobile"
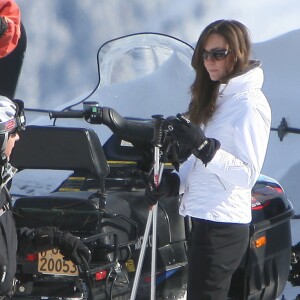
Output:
[[103, 146]]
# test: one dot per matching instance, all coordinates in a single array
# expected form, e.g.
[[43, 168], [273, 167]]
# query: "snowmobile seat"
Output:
[[60, 148]]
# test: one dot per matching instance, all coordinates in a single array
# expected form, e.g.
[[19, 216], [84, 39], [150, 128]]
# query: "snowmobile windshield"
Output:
[[139, 75], [143, 74]]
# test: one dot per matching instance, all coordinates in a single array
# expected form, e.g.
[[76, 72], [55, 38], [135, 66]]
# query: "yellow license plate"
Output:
[[52, 262]]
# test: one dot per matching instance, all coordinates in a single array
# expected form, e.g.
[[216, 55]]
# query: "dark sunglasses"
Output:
[[20, 114], [216, 54]]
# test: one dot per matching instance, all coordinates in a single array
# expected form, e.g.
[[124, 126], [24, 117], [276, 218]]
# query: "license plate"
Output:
[[52, 262]]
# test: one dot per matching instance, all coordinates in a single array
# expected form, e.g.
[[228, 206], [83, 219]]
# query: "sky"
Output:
[[265, 19]]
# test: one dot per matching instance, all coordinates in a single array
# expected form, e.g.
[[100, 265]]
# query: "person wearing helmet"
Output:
[[21, 241], [15, 242]]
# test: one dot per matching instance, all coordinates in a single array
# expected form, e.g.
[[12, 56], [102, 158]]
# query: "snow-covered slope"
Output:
[[280, 64], [63, 36]]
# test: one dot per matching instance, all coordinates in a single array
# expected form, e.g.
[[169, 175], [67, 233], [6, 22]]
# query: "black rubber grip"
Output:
[[65, 114]]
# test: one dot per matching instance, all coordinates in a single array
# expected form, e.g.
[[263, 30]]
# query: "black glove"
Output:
[[70, 247], [168, 187], [3, 26], [186, 132], [192, 136]]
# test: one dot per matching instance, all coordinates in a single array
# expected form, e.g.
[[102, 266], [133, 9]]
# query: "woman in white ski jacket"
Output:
[[227, 129], [241, 123]]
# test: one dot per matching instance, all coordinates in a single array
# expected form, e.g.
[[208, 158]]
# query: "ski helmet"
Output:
[[12, 119]]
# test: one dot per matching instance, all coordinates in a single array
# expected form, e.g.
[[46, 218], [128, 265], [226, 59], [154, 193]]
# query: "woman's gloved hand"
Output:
[[168, 187], [186, 132], [192, 136]]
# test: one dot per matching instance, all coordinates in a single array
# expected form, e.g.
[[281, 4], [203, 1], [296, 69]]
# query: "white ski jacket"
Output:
[[221, 191]]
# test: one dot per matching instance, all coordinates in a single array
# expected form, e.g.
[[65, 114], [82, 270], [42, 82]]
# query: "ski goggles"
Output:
[[17, 123], [215, 54]]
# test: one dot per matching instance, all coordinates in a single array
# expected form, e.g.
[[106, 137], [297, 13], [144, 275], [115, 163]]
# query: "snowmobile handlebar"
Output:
[[65, 114], [129, 130], [283, 129]]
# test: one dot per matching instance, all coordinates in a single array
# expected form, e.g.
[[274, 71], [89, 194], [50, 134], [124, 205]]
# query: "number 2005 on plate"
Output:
[[52, 262]]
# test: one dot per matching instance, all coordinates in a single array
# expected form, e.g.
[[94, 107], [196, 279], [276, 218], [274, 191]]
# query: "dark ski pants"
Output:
[[215, 251]]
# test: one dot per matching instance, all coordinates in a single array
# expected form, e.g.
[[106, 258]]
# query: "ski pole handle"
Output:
[[157, 143], [158, 130]]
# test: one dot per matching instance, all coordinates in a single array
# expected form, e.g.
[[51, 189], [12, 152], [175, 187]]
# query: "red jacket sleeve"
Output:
[[9, 40]]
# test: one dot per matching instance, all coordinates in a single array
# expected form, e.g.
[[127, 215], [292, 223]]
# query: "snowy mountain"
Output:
[[63, 36], [282, 89]]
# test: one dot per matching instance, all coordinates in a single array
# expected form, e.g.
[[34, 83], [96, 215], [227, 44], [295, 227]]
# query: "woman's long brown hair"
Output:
[[204, 90]]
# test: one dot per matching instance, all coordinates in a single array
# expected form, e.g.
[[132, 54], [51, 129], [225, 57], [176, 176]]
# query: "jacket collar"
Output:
[[250, 78]]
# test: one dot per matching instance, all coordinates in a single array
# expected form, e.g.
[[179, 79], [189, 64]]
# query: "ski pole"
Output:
[[141, 257], [157, 173], [152, 216]]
